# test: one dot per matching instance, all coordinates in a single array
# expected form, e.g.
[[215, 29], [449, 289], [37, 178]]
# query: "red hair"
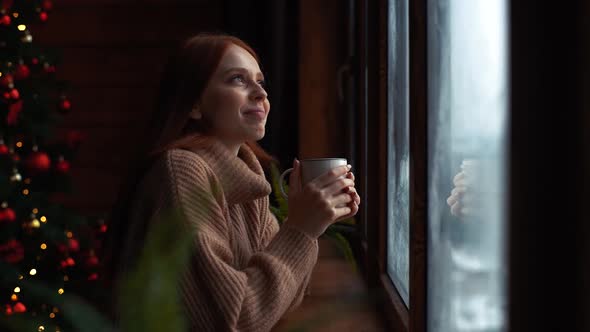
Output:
[[184, 79]]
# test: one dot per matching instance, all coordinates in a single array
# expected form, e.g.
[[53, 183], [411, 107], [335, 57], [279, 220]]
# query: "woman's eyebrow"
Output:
[[241, 69]]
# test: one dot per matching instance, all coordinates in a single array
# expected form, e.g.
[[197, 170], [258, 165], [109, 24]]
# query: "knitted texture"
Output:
[[245, 272]]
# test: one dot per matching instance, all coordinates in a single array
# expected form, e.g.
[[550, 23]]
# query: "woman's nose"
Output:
[[258, 93]]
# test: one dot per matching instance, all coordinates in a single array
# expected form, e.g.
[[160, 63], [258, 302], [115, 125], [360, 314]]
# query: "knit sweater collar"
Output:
[[241, 176]]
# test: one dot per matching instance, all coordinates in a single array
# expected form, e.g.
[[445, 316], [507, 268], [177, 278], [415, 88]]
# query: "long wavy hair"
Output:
[[184, 78]]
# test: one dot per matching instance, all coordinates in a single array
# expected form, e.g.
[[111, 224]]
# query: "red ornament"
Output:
[[14, 94], [70, 261], [63, 264], [5, 20], [48, 68], [3, 149], [6, 4], [12, 251], [62, 166], [92, 261], [65, 105], [35, 61], [7, 81], [103, 228], [7, 215], [43, 16], [73, 244], [22, 72], [47, 5], [38, 162], [13, 112], [19, 308], [93, 276], [8, 310]]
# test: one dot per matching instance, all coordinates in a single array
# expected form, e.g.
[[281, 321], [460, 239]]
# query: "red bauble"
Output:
[[92, 261], [48, 69], [7, 81], [5, 20], [74, 245], [8, 310], [13, 112], [12, 251], [103, 228], [65, 105], [70, 261], [6, 4], [38, 162], [14, 94], [22, 72], [3, 149], [35, 61], [7, 215], [19, 308], [93, 276], [62, 166], [43, 16], [47, 5]]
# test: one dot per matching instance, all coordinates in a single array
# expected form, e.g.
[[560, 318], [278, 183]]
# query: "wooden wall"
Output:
[[322, 50], [112, 53]]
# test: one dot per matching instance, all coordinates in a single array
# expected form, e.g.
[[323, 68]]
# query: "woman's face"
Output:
[[234, 103]]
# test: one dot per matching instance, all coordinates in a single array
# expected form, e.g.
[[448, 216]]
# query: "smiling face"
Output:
[[234, 104]]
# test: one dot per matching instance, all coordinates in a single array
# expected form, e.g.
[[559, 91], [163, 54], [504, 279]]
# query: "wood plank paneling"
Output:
[[322, 46], [112, 52], [112, 67], [129, 26]]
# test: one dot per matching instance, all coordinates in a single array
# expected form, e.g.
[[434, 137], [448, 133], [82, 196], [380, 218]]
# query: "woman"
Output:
[[245, 272]]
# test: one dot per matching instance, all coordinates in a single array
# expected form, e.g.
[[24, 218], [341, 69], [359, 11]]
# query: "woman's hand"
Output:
[[323, 201], [455, 201]]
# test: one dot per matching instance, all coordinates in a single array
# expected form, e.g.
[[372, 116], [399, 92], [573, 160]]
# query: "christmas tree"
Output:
[[46, 250]]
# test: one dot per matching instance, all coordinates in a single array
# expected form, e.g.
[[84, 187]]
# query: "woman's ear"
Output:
[[196, 113]]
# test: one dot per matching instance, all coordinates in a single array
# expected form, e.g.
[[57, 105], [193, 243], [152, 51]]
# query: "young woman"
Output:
[[245, 272]]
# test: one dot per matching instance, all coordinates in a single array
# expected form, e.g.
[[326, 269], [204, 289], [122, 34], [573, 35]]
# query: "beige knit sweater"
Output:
[[245, 272]]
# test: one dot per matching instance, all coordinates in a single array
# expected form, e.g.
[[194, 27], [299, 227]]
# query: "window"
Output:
[[398, 151], [467, 103], [462, 95]]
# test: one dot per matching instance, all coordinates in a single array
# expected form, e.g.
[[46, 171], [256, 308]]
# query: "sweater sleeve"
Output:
[[270, 229], [218, 296]]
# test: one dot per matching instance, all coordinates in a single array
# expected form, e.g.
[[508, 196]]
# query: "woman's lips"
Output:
[[258, 114]]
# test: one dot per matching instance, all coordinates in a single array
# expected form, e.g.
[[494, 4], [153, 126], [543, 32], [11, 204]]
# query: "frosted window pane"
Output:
[[398, 157], [467, 87]]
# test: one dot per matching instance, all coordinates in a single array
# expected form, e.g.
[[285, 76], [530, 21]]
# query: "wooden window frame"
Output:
[[548, 111], [372, 88]]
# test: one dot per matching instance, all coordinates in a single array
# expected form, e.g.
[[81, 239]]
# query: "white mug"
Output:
[[312, 168]]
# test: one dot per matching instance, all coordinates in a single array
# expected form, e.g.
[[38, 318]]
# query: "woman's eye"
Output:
[[238, 78], [262, 84]]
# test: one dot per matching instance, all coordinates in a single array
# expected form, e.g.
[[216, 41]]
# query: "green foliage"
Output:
[[282, 209], [149, 296]]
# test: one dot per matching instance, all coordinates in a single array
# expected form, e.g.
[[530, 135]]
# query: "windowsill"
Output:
[[337, 299]]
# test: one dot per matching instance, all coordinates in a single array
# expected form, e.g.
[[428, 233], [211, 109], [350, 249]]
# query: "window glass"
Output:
[[467, 106], [398, 156]]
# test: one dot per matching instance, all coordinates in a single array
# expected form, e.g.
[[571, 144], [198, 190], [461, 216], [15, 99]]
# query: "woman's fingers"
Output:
[[342, 212], [339, 186], [452, 199], [329, 177], [459, 179], [456, 209], [353, 209], [295, 177], [341, 200]]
